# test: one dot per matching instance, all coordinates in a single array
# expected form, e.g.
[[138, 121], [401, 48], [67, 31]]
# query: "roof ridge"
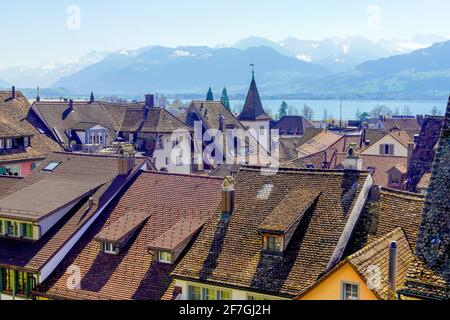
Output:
[[299, 170], [405, 194], [181, 175]]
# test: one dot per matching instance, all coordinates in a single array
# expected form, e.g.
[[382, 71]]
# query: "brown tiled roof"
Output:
[[403, 137], [158, 120], [58, 117], [33, 256], [177, 234], [229, 253], [134, 273], [400, 167], [377, 254], [211, 113], [123, 227], [14, 113], [292, 125], [372, 135], [409, 124], [287, 150], [394, 209], [6, 183], [425, 283], [382, 165], [290, 210], [319, 143], [424, 182]]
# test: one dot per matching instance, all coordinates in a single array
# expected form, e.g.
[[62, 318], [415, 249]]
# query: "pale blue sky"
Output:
[[35, 31]]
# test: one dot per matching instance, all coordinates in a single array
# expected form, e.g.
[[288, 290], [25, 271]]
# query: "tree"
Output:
[[210, 96], [396, 111], [307, 112], [225, 100], [293, 111], [380, 110], [283, 110], [364, 116], [435, 111], [406, 110]]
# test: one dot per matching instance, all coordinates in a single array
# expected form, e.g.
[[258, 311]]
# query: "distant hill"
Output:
[[424, 73], [190, 70]]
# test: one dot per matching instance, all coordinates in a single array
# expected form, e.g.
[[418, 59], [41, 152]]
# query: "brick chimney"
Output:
[[433, 242]]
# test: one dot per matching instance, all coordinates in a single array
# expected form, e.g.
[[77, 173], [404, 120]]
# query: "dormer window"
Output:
[[8, 143], [110, 248], [273, 243], [26, 142], [165, 257]]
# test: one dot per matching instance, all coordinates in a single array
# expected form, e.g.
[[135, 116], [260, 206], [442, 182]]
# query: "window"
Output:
[[1, 228], [194, 293], [262, 129], [350, 291], [51, 166], [26, 142], [198, 293], [386, 149], [2, 144], [164, 257], [15, 281], [272, 243], [12, 229], [393, 178], [109, 248], [8, 143], [167, 161], [255, 298], [27, 230]]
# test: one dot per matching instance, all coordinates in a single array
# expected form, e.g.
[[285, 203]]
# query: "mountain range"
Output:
[[353, 67]]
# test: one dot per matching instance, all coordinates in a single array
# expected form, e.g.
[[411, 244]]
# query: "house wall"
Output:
[[235, 294], [262, 137], [399, 149], [331, 287], [23, 168], [160, 155]]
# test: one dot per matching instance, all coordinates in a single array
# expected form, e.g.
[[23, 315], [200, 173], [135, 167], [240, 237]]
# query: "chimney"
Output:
[[393, 258], [126, 164], [149, 101], [38, 97], [227, 198], [13, 92], [92, 98], [91, 203], [71, 104]]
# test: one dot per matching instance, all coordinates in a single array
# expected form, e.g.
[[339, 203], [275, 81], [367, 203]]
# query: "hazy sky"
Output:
[[48, 30]]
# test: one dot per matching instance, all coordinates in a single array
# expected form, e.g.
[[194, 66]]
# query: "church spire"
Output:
[[210, 96], [433, 242], [253, 109]]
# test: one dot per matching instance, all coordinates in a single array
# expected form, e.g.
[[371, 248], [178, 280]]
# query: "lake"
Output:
[[349, 107]]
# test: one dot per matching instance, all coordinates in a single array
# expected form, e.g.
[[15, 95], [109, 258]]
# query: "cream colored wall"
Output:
[[254, 128], [331, 287], [399, 149]]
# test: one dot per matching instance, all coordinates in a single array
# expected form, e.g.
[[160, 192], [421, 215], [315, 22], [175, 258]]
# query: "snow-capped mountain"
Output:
[[45, 74]]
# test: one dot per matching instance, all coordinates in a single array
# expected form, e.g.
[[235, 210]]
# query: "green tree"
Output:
[[283, 110], [364, 116], [210, 96], [225, 100]]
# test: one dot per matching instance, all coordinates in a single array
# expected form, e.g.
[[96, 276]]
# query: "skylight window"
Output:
[[51, 166]]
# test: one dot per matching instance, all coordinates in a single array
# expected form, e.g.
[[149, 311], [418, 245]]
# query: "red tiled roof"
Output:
[[134, 273]]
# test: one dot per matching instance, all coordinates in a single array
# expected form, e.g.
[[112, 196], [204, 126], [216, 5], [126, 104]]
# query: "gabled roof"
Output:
[[319, 143], [403, 137], [74, 168], [177, 235], [155, 120], [253, 109], [229, 253], [211, 113], [377, 254], [16, 120], [58, 116], [400, 167], [398, 123], [134, 273], [292, 125], [290, 210]]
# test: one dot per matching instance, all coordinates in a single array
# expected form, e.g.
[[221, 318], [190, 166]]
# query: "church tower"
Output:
[[253, 116]]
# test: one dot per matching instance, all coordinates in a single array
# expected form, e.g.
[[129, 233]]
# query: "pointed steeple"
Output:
[[433, 242], [210, 96], [253, 109]]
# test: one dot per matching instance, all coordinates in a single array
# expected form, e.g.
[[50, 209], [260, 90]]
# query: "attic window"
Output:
[[273, 243], [165, 257], [51, 166], [109, 248]]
